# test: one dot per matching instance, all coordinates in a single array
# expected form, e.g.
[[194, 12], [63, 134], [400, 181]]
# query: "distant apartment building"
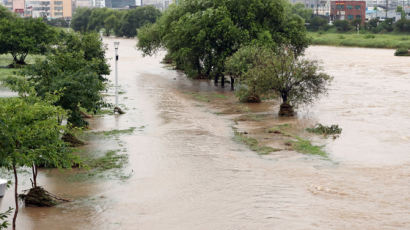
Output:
[[7, 3], [49, 8], [120, 4], [83, 3], [348, 10], [319, 7], [159, 4], [18, 7]]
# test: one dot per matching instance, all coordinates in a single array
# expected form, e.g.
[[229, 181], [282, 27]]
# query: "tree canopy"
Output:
[[200, 35], [279, 72], [122, 23], [74, 77], [30, 134], [21, 37]]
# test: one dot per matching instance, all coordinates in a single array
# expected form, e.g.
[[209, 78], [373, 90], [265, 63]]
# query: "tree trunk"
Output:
[[232, 83], [216, 79], [34, 170], [286, 110], [16, 210], [222, 81]]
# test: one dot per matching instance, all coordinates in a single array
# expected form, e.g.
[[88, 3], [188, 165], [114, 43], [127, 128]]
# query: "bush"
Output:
[[402, 52], [318, 23], [342, 25], [325, 130], [403, 25]]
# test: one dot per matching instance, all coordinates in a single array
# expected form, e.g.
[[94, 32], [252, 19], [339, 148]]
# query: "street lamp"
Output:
[[116, 108]]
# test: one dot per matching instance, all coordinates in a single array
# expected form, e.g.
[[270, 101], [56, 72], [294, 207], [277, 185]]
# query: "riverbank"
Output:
[[389, 41]]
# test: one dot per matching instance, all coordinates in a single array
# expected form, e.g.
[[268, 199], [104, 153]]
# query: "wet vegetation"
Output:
[[325, 130], [205, 97], [402, 52], [109, 165], [253, 144], [3, 218], [52, 89], [116, 131], [305, 146]]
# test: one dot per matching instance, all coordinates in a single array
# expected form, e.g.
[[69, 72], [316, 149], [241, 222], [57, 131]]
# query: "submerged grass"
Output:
[[325, 130], [391, 41], [253, 144], [251, 117], [206, 97], [115, 132], [110, 165], [281, 129], [305, 146], [297, 143]]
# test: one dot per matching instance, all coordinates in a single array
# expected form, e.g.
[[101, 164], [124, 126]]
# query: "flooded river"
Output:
[[186, 172]]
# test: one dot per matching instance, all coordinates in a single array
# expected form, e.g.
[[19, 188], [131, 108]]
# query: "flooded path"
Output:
[[186, 172]]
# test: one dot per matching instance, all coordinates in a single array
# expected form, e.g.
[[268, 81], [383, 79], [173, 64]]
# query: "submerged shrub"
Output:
[[402, 52], [325, 130]]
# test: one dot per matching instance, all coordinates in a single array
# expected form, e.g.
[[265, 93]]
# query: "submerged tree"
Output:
[[279, 72], [200, 35], [30, 133]]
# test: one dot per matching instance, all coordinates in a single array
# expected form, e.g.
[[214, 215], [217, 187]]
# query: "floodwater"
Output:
[[186, 172]]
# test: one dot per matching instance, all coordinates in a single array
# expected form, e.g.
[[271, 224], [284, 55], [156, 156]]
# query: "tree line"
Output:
[[121, 23], [65, 80], [258, 44]]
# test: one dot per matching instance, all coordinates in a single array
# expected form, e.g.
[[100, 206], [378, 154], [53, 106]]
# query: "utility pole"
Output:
[[387, 7], [116, 108]]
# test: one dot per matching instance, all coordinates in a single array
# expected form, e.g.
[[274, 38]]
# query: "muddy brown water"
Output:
[[186, 172]]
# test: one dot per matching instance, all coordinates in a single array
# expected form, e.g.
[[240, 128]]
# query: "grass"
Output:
[[115, 132], [109, 165], [281, 129], [391, 41], [297, 143], [206, 97], [7, 59], [111, 160], [251, 117], [305, 146], [253, 144]]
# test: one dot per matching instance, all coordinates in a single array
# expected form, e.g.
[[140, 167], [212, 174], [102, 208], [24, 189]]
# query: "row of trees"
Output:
[[258, 42], [122, 23], [68, 77]]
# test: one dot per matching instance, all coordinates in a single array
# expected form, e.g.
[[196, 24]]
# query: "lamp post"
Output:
[[116, 108]]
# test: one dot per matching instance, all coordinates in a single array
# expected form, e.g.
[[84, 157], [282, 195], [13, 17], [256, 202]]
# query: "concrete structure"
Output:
[[348, 10]]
